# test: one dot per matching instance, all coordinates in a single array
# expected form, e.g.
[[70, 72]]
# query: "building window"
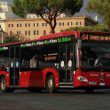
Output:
[[20, 25], [11, 25], [76, 23], [62, 23], [11, 32], [8, 25], [71, 23], [17, 25], [59, 23], [18, 32], [36, 24], [25, 24], [36, 32], [43, 24], [44, 32], [68, 23], [28, 24], [26, 33]]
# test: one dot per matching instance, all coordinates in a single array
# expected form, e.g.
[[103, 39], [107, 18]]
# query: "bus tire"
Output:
[[50, 84], [3, 86]]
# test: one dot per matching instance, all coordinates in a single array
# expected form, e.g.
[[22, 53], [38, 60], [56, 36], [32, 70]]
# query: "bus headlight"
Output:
[[82, 79]]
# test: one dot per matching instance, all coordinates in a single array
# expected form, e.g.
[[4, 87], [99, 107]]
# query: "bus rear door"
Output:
[[66, 61]]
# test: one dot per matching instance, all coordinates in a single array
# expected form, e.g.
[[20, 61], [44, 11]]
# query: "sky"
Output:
[[10, 1]]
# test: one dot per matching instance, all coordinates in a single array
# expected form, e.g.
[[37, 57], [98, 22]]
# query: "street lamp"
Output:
[[1, 31]]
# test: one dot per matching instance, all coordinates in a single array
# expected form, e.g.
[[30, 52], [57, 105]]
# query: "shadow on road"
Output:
[[59, 92]]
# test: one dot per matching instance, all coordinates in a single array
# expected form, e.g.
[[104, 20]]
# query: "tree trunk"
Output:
[[52, 25], [51, 21], [52, 29]]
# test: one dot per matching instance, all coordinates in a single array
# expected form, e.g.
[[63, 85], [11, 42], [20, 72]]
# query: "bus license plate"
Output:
[[102, 84]]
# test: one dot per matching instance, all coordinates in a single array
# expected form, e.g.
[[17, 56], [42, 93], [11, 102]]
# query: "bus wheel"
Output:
[[3, 86], [50, 84]]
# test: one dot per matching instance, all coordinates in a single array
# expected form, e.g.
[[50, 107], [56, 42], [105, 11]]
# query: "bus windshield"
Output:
[[95, 55]]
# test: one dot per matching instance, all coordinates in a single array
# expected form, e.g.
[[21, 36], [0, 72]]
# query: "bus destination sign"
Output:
[[95, 38], [48, 41]]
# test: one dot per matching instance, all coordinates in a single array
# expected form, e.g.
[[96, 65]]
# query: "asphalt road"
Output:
[[63, 100]]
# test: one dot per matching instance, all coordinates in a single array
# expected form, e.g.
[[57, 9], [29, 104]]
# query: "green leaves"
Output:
[[96, 28], [100, 7], [49, 10], [19, 8], [11, 39]]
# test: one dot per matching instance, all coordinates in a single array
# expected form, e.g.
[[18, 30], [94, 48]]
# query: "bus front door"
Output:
[[14, 65], [66, 61]]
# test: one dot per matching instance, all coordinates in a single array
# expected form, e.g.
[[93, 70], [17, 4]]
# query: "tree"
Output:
[[11, 39], [100, 7], [48, 10], [97, 28]]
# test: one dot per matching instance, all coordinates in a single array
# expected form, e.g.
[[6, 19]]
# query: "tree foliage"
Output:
[[18, 8], [96, 28], [48, 10], [11, 39], [100, 7]]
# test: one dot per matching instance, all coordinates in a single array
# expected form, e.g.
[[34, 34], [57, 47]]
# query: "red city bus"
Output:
[[70, 59]]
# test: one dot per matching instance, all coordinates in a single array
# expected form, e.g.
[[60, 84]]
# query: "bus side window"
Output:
[[24, 63]]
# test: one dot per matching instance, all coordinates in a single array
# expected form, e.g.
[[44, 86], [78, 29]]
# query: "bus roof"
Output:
[[56, 35]]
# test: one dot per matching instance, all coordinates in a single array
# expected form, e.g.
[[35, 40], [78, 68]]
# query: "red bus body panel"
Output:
[[37, 78], [31, 79], [94, 79]]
